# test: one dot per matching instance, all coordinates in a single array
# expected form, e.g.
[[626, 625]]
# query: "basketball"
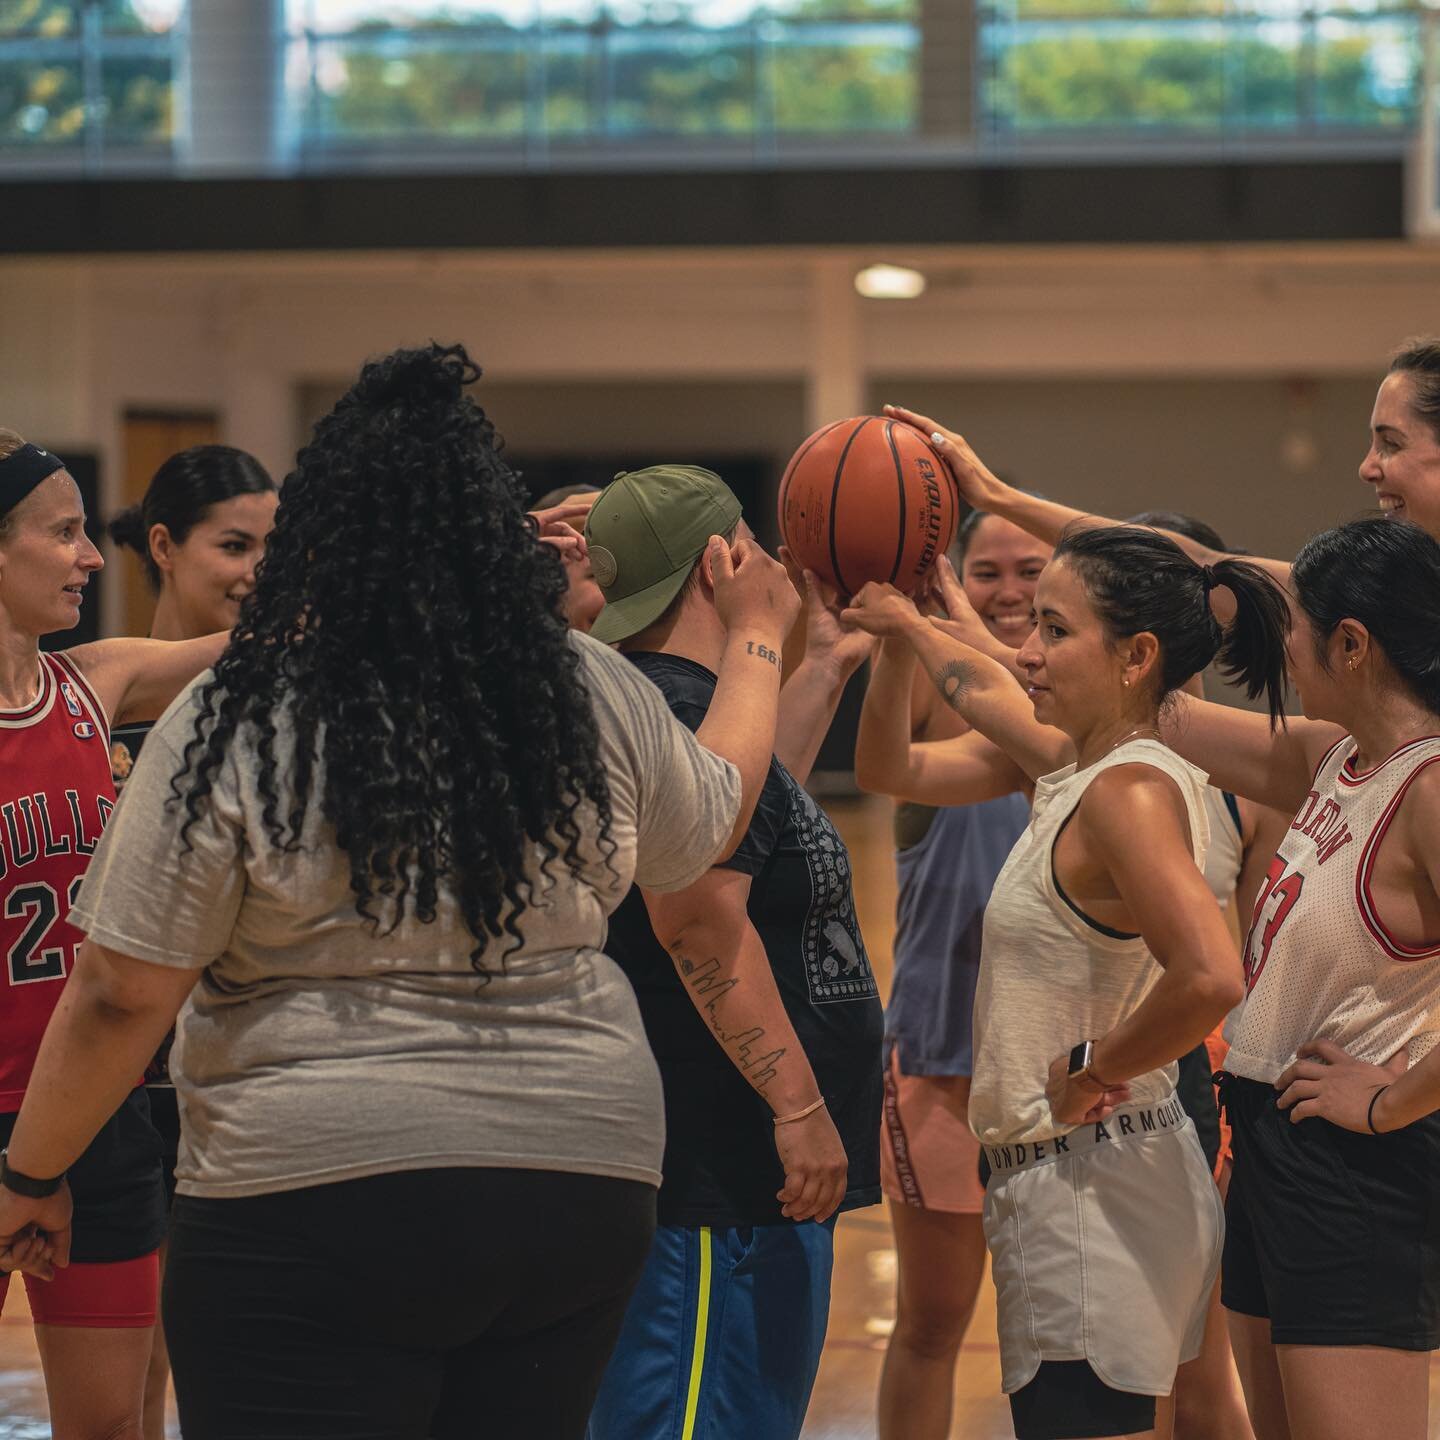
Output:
[[867, 499]]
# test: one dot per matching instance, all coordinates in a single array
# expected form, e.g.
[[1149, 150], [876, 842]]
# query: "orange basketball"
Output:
[[868, 499]]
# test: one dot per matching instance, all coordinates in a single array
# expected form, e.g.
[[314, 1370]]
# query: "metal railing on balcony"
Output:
[[103, 84], [1244, 71], [602, 83]]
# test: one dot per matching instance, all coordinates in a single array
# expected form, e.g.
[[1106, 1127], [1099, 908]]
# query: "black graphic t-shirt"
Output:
[[125, 744], [720, 1164]]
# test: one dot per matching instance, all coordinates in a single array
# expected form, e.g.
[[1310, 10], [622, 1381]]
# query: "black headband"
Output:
[[21, 472]]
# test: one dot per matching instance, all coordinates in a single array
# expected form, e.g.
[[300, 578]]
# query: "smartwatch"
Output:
[[1079, 1068], [27, 1185]]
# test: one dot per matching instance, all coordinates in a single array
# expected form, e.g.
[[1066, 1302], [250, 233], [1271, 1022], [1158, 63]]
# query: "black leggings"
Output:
[[430, 1303]]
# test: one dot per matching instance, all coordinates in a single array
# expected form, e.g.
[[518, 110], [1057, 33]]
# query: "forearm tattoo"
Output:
[[763, 651], [953, 680], [749, 1047]]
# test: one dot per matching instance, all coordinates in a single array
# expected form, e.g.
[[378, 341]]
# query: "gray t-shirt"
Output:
[[314, 1049]]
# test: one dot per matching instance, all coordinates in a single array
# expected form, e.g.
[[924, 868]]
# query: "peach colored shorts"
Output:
[[929, 1157], [1218, 1050]]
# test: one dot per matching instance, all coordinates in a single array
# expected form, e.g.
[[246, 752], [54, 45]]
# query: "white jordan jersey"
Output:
[[1319, 962]]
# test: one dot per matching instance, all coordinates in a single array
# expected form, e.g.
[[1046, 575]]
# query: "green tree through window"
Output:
[[43, 46], [1190, 75], [658, 68]]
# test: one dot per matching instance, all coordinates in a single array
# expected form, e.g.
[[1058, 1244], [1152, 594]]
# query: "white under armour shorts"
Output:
[[1104, 1246]]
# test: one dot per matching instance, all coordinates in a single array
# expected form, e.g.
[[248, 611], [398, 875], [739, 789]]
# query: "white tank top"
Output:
[[1048, 977], [1226, 856], [1319, 962]]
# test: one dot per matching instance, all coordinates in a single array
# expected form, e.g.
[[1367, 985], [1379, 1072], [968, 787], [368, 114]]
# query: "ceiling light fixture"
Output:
[[890, 282]]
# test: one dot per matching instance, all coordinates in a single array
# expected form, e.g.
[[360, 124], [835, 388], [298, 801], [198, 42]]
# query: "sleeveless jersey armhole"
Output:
[[1325, 758], [73, 673], [1365, 873], [1093, 924]]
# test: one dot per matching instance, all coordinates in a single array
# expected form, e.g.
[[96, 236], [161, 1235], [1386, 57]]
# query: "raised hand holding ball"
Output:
[[868, 499], [881, 609]]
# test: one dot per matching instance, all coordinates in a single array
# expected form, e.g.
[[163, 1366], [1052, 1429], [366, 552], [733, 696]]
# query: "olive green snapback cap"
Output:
[[645, 533]]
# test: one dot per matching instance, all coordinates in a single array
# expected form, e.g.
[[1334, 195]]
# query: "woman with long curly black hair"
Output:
[[422, 1127]]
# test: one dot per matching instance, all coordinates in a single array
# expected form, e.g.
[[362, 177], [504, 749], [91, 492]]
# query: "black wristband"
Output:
[[27, 1185], [1370, 1113]]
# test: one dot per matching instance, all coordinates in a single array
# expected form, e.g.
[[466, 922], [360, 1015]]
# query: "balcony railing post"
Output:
[[949, 39], [603, 30], [537, 133], [92, 83], [1307, 73], [765, 138]]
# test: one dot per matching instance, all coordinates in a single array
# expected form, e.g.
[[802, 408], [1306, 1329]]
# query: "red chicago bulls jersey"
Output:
[[1319, 961], [55, 797]]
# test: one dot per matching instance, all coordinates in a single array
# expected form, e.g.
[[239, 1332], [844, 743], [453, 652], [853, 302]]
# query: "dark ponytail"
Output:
[[1386, 574], [1253, 654], [181, 493], [1140, 581], [128, 528]]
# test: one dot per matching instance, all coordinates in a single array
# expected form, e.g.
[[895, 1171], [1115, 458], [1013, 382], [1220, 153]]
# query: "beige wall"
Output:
[[1265, 462], [634, 424], [1223, 450], [1234, 382], [664, 420]]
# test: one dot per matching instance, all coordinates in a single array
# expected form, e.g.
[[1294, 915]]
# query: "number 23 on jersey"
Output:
[[1277, 898]]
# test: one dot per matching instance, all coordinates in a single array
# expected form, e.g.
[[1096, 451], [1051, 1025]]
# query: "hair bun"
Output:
[[128, 528], [432, 374]]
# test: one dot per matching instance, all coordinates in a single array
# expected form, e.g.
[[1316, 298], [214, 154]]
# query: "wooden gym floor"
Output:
[[863, 1303]]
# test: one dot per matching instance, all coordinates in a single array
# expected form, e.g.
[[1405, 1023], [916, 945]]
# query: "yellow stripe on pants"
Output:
[[702, 1323]]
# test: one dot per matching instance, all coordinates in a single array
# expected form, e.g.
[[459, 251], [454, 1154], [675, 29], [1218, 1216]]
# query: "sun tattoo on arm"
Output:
[[953, 680]]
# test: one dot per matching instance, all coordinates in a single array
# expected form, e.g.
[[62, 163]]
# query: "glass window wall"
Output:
[[80, 76], [92, 83], [579, 70], [1189, 67]]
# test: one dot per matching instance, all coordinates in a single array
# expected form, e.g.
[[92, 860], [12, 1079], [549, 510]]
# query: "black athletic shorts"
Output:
[[165, 1116], [116, 1187], [1196, 1092], [1333, 1237], [1067, 1400]]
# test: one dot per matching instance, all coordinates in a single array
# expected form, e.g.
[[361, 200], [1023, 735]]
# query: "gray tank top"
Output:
[[945, 882]]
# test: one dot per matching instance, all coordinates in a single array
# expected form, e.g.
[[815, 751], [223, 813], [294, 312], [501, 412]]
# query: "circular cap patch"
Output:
[[602, 562]]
